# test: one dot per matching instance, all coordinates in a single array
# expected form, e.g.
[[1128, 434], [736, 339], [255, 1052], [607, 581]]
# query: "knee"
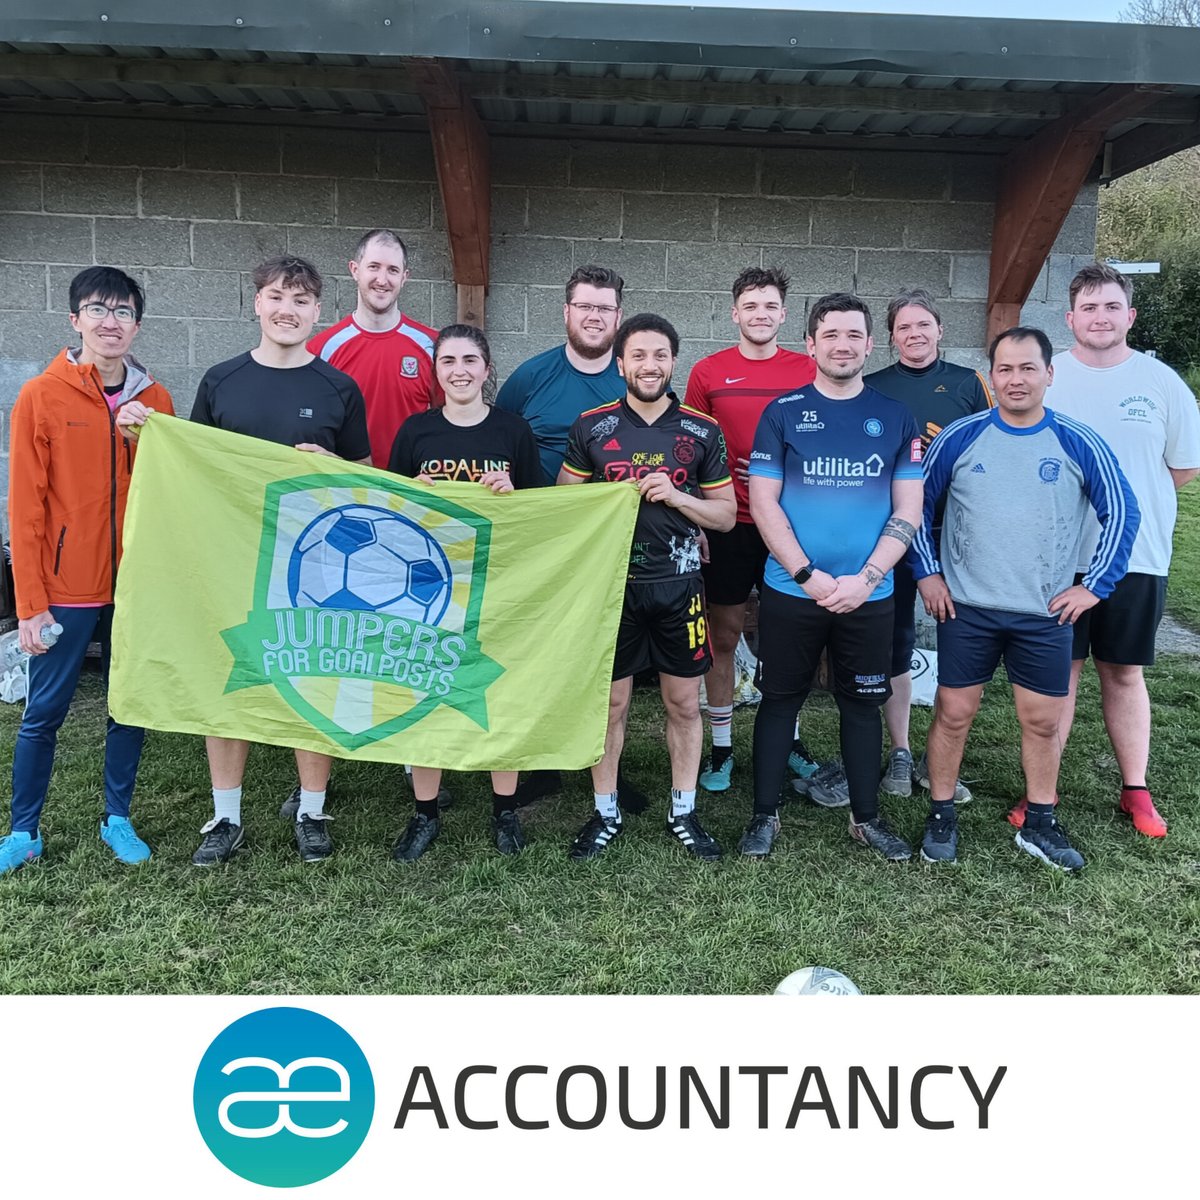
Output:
[[683, 712], [955, 715], [724, 640], [1119, 677]]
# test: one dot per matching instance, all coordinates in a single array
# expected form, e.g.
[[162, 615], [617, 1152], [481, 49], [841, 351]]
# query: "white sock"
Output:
[[312, 804], [796, 734], [227, 805], [606, 806], [720, 720], [682, 803]]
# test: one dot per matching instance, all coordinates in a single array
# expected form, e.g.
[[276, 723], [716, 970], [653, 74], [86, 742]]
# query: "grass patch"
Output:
[[1183, 587], [643, 918]]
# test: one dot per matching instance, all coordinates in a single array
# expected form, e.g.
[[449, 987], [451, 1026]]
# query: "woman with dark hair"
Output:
[[467, 441]]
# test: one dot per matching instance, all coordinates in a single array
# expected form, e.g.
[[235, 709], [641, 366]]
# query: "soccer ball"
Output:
[[369, 559], [817, 981]]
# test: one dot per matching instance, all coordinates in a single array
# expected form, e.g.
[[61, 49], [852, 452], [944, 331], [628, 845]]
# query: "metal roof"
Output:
[[593, 70]]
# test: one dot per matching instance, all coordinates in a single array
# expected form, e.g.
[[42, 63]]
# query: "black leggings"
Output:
[[862, 749]]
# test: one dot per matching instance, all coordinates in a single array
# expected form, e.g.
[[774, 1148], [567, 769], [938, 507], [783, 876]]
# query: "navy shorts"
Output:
[[1036, 650], [1122, 629]]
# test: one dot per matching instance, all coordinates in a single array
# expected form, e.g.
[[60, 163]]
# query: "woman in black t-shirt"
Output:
[[466, 441]]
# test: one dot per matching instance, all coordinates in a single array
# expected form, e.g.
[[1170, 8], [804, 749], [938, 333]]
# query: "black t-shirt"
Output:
[[936, 395], [288, 405], [429, 444], [613, 443]]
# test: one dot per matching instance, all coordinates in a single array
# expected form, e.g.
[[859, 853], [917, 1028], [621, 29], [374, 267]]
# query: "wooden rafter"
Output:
[[1039, 182], [462, 157]]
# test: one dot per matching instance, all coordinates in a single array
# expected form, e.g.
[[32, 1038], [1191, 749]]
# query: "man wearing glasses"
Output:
[[70, 470], [550, 391]]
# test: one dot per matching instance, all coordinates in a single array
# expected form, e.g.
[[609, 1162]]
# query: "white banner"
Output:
[[541, 1096]]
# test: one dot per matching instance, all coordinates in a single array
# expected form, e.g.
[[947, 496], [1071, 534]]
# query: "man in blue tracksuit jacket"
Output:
[[1018, 481]]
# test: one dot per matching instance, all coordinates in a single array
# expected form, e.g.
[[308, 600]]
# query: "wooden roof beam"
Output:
[[1039, 182], [462, 156]]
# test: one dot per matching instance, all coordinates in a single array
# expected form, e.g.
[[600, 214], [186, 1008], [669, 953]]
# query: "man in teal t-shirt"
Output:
[[550, 390]]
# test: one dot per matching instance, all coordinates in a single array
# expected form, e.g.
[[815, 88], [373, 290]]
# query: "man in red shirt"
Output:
[[735, 386], [389, 355]]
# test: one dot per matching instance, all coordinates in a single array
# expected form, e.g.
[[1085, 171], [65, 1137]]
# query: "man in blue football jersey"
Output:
[[1018, 481], [835, 489]]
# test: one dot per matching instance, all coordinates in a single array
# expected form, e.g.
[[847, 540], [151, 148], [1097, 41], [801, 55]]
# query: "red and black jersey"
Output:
[[736, 390], [613, 443]]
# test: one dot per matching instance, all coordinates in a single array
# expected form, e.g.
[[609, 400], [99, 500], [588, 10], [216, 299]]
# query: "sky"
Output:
[[1055, 10]]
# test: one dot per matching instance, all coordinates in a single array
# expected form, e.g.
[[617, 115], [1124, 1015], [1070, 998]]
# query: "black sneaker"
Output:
[[697, 841], [312, 837], [940, 843], [1050, 843], [445, 799], [421, 833], [510, 837], [221, 839], [291, 806], [594, 837], [534, 786], [760, 835], [876, 834]]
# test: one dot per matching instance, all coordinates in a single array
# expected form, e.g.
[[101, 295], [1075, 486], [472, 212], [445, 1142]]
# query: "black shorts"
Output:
[[663, 627], [735, 566], [904, 636], [1036, 650], [793, 632], [1121, 630]]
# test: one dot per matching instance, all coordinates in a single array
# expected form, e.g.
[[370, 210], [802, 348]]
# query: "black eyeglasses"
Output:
[[97, 311]]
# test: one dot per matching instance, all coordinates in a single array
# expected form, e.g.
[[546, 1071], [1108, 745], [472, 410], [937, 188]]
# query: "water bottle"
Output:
[[51, 634]]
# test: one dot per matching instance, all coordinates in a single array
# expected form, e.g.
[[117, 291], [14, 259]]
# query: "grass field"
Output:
[[643, 919], [1183, 596]]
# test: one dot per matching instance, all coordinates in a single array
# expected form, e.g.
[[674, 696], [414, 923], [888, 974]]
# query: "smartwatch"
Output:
[[805, 573]]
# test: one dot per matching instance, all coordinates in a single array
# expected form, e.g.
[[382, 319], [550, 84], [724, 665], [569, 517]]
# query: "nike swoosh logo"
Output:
[[739, 379]]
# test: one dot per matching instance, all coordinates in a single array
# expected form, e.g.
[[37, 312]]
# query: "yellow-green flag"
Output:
[[286, 597]]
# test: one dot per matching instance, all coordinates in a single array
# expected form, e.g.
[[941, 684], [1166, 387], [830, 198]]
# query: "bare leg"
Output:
[[313, 770], [504, 783], [896, 710], [1126, 705], [426, 783], [226, 761], [1067, 720], [1041, 749], [954, 713], [725, 624], [685, 733], [604, 773]]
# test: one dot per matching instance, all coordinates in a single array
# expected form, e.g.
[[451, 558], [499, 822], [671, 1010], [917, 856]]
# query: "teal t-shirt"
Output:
[[550, 394]]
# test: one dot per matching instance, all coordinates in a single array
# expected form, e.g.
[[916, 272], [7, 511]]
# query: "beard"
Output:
[[647, 394], [842, 371], [586, 349]]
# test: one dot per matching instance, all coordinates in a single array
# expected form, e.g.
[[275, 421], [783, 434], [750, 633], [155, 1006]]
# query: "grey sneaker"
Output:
[[920, 776], [940, 843], [221, 840], [291, 806], [829, 787], [760, 836], [876, 835], [897, 776]]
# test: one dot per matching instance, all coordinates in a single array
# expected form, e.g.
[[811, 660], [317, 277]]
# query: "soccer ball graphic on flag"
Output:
[[369, 559]]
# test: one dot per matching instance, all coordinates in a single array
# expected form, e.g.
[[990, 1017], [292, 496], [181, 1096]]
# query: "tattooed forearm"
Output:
[[872, 574], [901, 530]]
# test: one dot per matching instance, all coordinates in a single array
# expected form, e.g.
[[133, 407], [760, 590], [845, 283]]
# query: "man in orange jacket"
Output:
[[69, 469]]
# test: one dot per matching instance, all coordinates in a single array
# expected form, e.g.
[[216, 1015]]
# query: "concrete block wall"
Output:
[[190, 207]]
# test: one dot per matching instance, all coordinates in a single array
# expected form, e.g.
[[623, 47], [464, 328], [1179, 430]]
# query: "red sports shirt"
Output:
[[394, 372], [735, 390]]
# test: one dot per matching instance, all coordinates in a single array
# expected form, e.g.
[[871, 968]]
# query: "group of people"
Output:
[[1033, 534]]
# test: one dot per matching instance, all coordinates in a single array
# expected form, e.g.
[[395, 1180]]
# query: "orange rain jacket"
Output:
[[69, 469]]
